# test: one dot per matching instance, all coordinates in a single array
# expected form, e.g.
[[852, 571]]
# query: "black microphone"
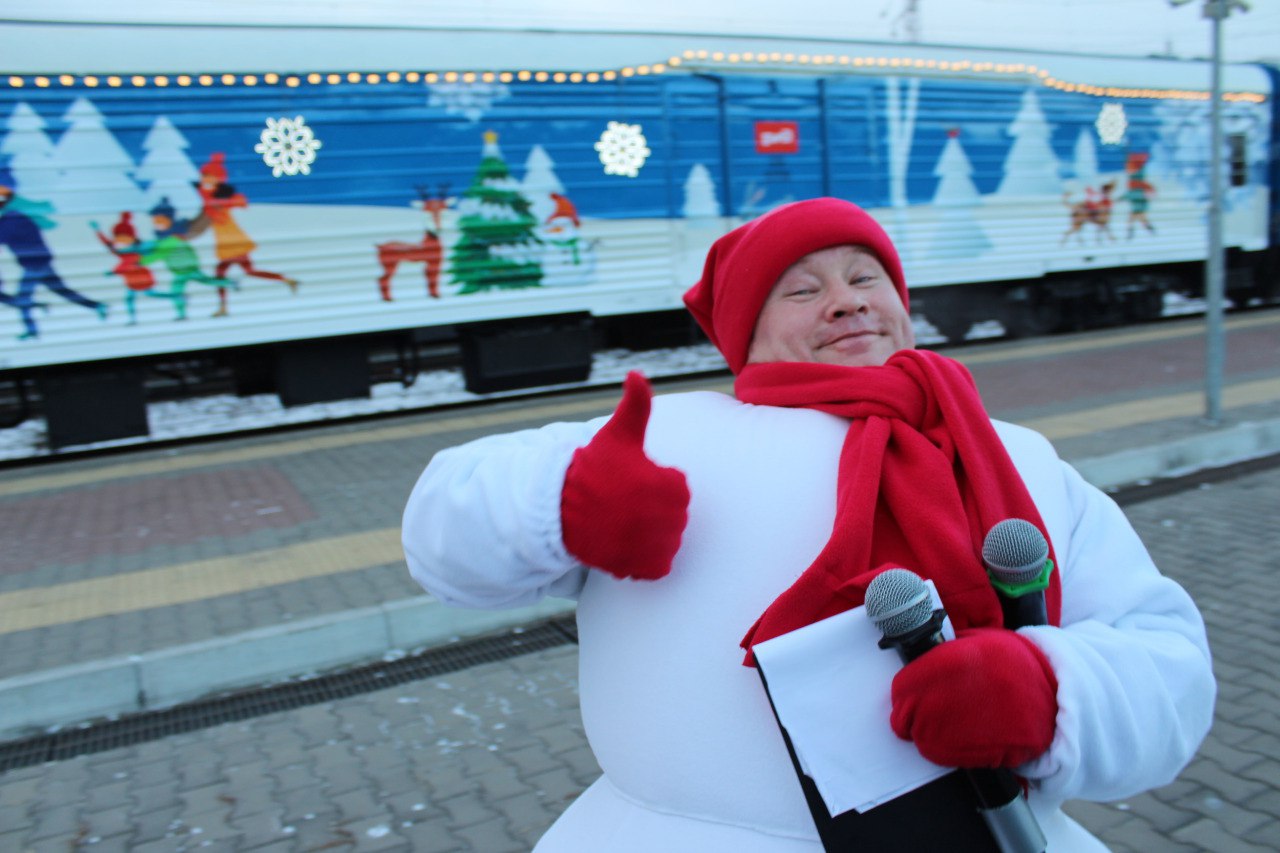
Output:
[[1016, 555], [898, 602]]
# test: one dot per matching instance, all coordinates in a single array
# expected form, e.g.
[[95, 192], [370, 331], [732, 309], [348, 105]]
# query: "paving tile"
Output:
[[376, 833], [157, 823], [435, 837], [1207, 834], [105, 823], [465, 810], [15, 817], [260, 828], [491, 835], [485, 759]]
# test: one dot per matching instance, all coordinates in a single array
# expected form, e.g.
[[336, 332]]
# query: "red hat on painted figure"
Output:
[[564, 208], [743, 265], [124, 228], [216, 168]]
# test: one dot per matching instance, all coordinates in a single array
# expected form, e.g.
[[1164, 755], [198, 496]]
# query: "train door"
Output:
[[774, 140]]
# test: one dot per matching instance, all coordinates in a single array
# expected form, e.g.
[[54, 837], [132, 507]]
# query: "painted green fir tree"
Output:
[[497, 248]]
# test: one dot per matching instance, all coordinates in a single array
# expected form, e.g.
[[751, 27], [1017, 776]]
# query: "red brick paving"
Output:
[[128, 517], [1142, 369]]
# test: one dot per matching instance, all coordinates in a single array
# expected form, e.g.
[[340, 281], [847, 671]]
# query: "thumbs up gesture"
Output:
[[619, 511]]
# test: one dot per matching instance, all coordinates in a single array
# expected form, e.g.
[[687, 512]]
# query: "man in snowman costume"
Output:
[[694, 525]]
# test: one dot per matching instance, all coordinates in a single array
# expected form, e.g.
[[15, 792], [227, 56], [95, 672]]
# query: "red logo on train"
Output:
[[777, 137]]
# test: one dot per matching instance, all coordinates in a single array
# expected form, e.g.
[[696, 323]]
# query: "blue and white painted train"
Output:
[[204, 186]]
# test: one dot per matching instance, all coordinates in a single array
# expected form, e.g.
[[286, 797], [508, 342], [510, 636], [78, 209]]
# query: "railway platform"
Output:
[[142, 580], [136, 582]]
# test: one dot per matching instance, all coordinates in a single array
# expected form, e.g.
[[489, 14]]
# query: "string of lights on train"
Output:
[[289, 146], [700, 58]]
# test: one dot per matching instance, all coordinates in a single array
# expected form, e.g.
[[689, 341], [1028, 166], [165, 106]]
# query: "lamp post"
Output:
[[1214, 285]]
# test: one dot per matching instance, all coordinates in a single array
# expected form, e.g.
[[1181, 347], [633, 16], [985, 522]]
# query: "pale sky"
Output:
[[1127, 27]]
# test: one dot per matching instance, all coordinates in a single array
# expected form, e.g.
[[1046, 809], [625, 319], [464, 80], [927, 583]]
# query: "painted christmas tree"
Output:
[[497, 248], [1086, 158], [959, 234], [94, 170], [955, 187], [540, 182], [30, 154], [1031, 167], [700, 193], [165, 168]]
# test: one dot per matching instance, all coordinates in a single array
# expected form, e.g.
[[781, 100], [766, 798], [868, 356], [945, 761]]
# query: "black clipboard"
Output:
[[940, 815]]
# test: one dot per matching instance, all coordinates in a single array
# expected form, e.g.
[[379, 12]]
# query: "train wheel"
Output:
[[1040, 313], [1145, 305], [953, 327]]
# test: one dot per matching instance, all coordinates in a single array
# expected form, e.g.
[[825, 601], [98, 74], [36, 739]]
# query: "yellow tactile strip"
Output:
[[195, 581], [202, 579], [1150, 410]]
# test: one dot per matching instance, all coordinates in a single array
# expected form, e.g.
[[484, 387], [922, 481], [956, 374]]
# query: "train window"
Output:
[[1236, 157]]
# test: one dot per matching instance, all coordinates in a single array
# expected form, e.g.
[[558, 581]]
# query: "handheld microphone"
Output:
[[1016, 555], [898, 602]]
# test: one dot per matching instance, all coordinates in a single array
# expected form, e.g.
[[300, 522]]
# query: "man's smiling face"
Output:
[[835, 306]]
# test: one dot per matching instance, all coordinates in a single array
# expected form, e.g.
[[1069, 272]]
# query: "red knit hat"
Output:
[[743, 265], [124, 228], [216, 168]]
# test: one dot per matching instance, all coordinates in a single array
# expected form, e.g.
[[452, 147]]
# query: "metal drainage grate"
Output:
[[153, 725]]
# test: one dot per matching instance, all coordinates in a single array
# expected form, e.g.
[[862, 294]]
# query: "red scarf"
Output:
[[923, 477]]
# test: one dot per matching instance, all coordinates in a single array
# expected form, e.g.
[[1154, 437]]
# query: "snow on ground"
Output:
[[226, 413]]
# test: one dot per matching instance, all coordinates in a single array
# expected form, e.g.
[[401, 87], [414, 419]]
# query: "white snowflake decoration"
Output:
[[288, 146], [1111, 123], [471, 100], [623, 149]]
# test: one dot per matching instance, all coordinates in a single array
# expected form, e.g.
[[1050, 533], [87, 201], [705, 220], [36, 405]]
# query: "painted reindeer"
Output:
[[1095, 210], [428, 250]]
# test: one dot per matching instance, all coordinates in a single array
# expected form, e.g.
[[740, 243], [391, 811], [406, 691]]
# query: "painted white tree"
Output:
[[901, 113], [540, 181], [471, 100], [700, 193], [1086, 159], [30, 154], [94, 170], [166, 170], [1031, 167], [1181, 150], [958, 233]]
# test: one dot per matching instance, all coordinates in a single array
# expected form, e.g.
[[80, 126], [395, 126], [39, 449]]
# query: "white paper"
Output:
[[830, 684]]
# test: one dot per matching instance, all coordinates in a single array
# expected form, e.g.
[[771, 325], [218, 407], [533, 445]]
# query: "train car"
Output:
[[285, 198]]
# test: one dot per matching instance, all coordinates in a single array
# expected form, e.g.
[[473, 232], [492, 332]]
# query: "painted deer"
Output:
[[428, 250], [1095, 210]]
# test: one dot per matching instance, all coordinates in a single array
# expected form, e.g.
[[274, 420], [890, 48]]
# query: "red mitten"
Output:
[[619, 511], [986, 699]]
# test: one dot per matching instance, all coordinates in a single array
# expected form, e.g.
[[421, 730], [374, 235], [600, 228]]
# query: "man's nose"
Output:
[[844, 300]]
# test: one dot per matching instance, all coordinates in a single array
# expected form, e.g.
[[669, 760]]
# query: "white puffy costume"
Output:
[[692, 757]]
